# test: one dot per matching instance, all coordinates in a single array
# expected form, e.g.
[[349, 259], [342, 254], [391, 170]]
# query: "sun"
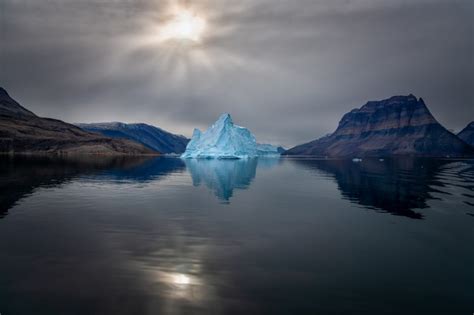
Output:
[[184, 25]]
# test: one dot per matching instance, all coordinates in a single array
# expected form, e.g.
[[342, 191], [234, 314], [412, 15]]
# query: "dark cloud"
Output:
[[288, 70]]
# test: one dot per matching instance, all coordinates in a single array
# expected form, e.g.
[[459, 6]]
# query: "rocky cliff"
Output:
[[21, 131], [400, 125]]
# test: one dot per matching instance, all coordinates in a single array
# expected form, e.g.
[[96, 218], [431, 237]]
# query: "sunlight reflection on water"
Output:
[[167, 236]]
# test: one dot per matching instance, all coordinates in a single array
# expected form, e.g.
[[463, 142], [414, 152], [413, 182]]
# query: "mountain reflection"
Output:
[[396, 186], [21, 175], [148, 169], [223, 176]]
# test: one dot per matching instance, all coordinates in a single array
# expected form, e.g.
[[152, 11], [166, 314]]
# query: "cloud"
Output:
[[287, 70]]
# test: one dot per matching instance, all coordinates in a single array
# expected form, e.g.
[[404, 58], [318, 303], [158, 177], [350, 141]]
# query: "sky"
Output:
[[287, 70]]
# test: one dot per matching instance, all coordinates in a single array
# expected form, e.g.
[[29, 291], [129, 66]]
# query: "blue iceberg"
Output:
[[225, 140]]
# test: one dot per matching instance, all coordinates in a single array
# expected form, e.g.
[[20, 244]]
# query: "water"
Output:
[[268, 236]]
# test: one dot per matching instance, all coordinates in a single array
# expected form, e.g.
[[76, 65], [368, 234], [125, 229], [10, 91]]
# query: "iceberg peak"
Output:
[[225, 119], [224, 140], [196, 133]]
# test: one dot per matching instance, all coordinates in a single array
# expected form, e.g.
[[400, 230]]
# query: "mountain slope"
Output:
[[150, 136], [21, 131], [467, 134], [400, 125], [10, 108]]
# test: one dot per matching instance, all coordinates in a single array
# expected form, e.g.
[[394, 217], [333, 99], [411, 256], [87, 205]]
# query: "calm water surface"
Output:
[[268, 236]]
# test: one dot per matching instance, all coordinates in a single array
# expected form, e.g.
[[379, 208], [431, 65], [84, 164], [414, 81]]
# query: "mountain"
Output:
[[21, 131], [150, 136], [467, 134], [225, 140], [400, 125], [10, 108]]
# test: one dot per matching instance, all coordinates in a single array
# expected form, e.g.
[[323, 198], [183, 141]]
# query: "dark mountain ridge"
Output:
[[10, 108], [21, 131], [150, 136], [400, 125], [467, 134]]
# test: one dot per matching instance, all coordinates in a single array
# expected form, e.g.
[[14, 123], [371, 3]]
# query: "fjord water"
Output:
[[262, 236]]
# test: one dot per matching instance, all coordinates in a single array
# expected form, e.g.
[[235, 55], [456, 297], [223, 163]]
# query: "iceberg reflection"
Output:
[[223, 176]]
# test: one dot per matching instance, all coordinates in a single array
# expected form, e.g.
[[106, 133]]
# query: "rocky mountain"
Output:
[[400, 125], [150, 136], [225, 140], [467, 134], [21, 131]]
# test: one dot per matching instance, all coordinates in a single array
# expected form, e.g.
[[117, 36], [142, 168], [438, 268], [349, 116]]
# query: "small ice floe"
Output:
[[381, 160], [356, 160]]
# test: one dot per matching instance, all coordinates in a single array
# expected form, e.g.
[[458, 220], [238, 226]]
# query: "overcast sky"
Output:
[[287, 70]]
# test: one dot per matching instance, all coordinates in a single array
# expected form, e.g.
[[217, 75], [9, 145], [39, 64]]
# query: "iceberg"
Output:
[[225, 140], [264, 149]]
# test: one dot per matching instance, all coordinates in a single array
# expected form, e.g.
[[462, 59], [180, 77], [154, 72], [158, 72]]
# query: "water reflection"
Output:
[[396, 186], [101, 244], [223, 176], [149, 169], [20, 176]]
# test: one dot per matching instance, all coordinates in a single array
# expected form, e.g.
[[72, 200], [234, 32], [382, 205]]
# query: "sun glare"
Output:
[[181, 279], [184, 25]]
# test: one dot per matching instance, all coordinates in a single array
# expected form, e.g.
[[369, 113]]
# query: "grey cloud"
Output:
[[288, 70]]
